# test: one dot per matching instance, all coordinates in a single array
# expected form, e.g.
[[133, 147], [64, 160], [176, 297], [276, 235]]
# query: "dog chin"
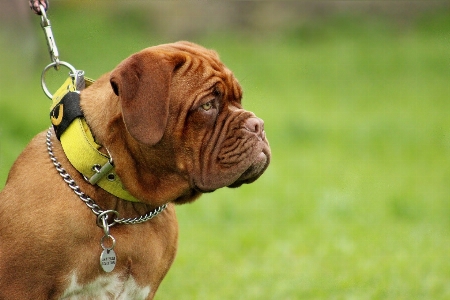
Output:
[[255, 170]]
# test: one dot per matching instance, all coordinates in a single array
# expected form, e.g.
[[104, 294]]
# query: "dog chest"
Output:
[[105, 287]]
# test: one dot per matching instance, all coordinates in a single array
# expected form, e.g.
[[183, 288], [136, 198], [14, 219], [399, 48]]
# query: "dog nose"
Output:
[[255, 125]]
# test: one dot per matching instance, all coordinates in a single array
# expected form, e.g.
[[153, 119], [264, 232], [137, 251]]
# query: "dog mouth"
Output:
[[255, 170], [252, 173]]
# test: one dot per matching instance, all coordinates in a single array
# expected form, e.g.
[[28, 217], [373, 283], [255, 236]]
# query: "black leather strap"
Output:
[[67, 110]]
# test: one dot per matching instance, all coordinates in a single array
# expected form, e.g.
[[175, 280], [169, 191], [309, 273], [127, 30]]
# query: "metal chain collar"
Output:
[[91, 203]]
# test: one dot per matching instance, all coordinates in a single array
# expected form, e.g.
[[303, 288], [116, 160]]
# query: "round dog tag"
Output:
[[108, 260]]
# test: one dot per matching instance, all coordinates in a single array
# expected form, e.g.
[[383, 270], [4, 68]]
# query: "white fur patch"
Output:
[[105, 288]]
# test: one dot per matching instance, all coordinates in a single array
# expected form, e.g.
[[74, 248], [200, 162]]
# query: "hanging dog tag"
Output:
[[108, 260]]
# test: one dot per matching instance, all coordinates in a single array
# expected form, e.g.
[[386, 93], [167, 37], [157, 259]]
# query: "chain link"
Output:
[[88, 201]]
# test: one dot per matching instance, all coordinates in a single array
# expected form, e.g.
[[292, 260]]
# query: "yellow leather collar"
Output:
[[83, 153]]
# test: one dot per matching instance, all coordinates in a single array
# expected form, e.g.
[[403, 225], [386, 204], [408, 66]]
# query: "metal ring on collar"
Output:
[[104, 214], [54, 64], [102, 241]]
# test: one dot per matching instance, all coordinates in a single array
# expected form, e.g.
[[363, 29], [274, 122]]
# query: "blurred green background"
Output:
[[355, 98]]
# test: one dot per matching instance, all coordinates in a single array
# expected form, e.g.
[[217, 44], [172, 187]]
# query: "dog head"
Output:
[[182, 110]]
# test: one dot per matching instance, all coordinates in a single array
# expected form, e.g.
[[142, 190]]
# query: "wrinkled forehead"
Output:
[[206, 67]]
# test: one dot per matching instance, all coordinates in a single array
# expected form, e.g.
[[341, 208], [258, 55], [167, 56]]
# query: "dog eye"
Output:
[[207, 106]]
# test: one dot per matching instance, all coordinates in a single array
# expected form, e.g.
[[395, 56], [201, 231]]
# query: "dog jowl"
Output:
[[170, 123]]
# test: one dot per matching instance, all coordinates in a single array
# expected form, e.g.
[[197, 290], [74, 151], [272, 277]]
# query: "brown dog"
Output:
[[170, 119]]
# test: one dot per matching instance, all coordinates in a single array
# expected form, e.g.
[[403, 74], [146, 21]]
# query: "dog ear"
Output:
[[142, 82]]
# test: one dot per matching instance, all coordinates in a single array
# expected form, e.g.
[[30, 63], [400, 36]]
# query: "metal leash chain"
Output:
[[91, 203]]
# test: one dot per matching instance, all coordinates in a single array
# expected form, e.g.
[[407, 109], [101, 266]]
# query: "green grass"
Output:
[[355, 204]]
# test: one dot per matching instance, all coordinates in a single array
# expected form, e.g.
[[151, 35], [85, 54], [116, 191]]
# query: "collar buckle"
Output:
[[100, 172]]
